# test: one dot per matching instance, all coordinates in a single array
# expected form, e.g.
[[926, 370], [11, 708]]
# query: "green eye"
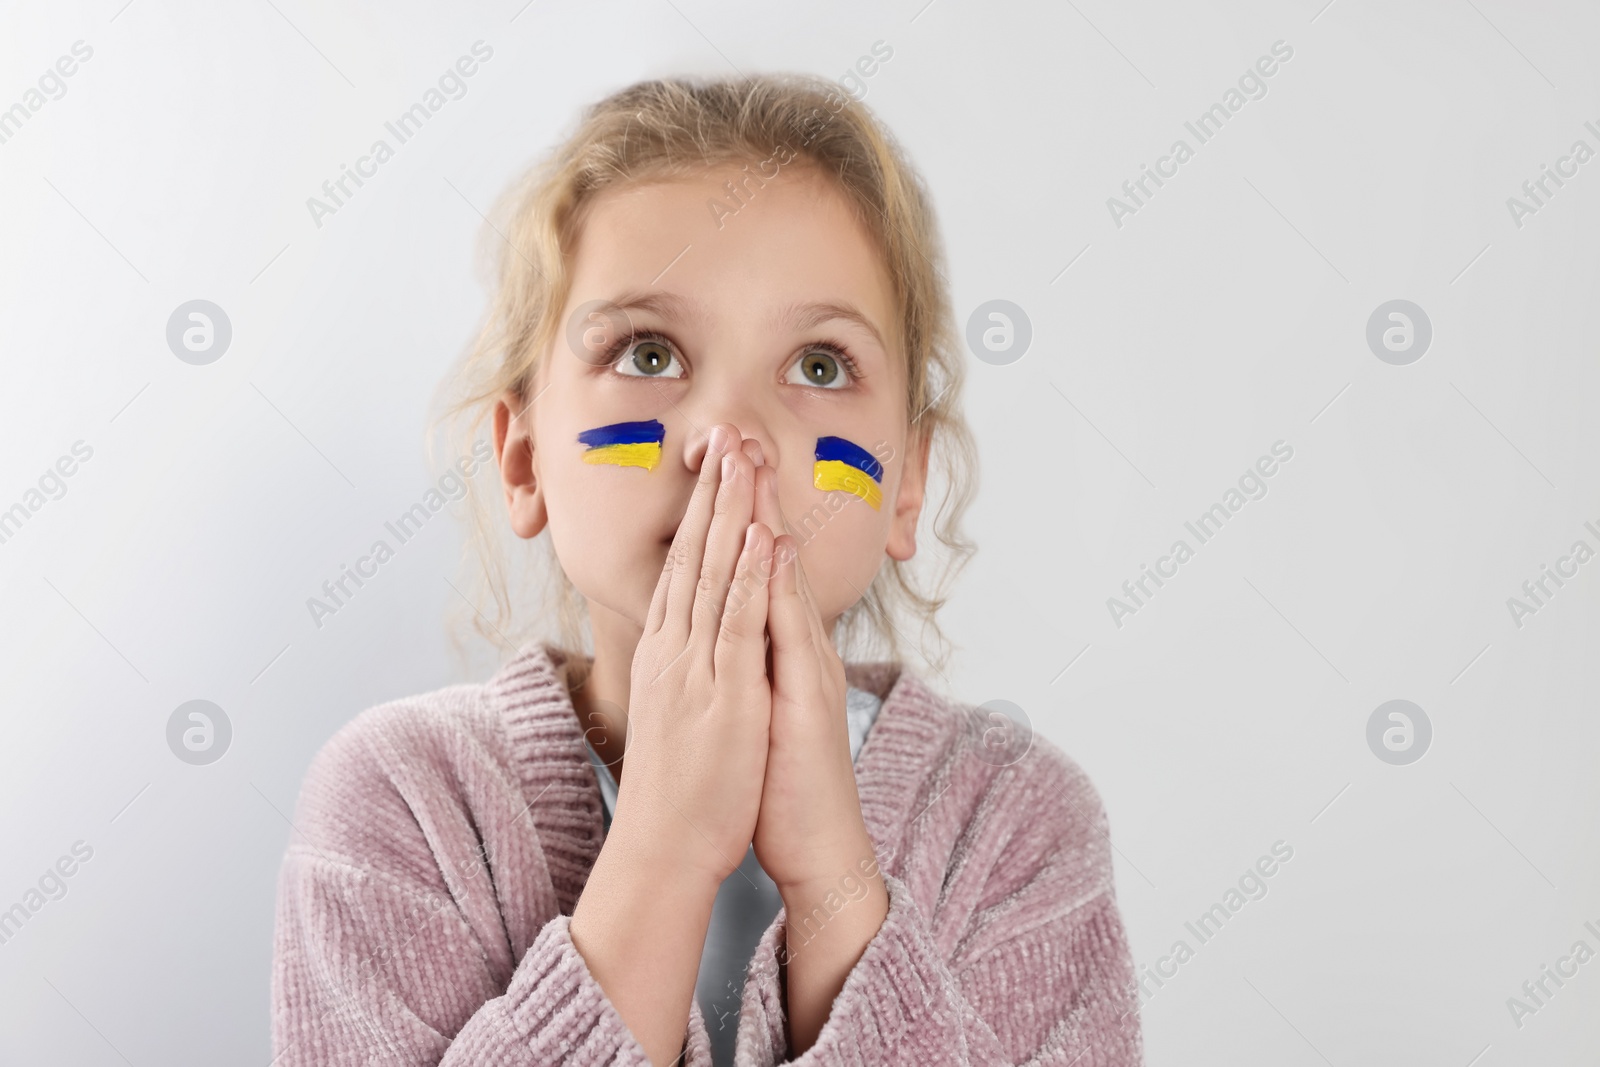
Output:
[[819, 369], [649, 359]]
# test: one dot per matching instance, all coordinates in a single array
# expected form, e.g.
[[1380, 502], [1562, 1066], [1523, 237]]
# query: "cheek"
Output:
[[602, 522], [841, 540], [580, 522]]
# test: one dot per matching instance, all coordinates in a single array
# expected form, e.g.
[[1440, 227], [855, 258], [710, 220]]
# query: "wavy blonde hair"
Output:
[[679, 127]]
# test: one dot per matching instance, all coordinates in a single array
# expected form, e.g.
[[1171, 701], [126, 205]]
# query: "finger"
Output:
[[786, 612], [740, 652], [803, 587], [818, 668], [734, 504], [658, 599], [767, 509], [752, 448], [688, 544], [819, 634]]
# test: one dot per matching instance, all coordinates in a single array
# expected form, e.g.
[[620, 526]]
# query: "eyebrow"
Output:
[[801, 316], [808, 316], [667, 305]]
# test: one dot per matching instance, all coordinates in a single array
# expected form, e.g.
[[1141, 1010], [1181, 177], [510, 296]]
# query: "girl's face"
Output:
[[781, 322]]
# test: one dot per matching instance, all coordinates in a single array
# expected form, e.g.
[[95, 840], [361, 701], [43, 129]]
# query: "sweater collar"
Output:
[[530, 697]]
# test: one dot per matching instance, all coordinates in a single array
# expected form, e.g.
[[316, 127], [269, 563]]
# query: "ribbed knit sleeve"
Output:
[[1016, 954], [393, 946]]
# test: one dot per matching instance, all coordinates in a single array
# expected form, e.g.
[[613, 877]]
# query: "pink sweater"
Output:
[[442, 841]]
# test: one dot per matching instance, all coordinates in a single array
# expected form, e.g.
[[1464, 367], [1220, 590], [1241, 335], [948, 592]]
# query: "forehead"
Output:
[[747, 252]]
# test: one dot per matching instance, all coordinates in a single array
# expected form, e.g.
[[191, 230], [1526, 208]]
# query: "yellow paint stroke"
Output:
[[835, 474], [644, 454]]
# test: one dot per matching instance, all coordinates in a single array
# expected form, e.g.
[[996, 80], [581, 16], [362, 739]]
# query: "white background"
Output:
[[1228, 314]]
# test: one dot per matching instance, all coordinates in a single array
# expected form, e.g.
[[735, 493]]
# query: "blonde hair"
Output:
[[678, 127]]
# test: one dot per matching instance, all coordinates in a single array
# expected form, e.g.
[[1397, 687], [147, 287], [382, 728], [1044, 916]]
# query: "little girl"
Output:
[[720, 358]]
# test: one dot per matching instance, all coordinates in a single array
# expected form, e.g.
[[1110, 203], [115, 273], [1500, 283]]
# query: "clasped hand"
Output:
[[732, 744]]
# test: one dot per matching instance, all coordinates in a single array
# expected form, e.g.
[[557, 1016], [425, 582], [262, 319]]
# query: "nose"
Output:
[[731, 390], [743, 432]]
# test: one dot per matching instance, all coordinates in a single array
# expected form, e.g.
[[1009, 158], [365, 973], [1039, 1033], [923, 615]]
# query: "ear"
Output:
[[908, 498], [519, 470]]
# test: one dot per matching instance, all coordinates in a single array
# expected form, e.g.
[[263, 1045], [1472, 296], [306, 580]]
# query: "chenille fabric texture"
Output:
[[441, 842]]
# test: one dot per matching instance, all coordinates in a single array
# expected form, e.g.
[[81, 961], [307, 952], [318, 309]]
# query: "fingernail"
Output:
[[750, 537], [719, 439], [727, 468]]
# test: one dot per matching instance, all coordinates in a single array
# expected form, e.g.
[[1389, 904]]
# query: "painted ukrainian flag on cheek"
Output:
[[625, 444], [846, 466]]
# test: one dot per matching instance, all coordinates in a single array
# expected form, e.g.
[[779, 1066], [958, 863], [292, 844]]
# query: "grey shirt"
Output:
[[746, 903]]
